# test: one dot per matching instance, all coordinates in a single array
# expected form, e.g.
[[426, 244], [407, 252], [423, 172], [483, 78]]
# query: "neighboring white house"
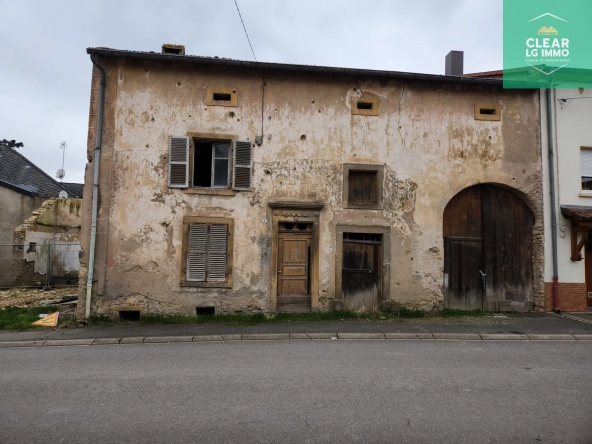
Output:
[[572, 135]]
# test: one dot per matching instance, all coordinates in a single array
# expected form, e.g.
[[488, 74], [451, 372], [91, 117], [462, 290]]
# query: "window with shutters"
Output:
[[586, 162], [362, 186], [207, 252], [210, 164]]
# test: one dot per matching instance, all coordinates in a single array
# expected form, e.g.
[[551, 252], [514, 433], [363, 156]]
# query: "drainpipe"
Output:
[[95, 195], [550, 142]]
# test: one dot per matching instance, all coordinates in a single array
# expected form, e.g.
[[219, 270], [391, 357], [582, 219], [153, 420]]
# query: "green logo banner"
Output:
[[547, 43]]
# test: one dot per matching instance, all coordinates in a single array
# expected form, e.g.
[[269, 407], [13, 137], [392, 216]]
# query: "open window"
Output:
[[207, 252], [214, 164]]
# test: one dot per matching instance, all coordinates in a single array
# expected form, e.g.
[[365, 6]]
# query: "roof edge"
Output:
[[16, 188], [202, 60]]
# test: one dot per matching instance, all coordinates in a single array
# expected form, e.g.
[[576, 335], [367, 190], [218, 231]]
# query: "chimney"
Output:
[[454, 63], [169, 48]]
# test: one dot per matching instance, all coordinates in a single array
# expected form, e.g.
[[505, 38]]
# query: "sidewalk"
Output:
[[578, 327]]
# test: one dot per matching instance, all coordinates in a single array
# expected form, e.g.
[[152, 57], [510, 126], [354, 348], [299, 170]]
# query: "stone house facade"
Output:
[[242, 186]]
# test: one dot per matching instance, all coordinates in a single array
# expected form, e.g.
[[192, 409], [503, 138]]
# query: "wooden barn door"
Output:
[[463, 257], [361, 273], [488, 250], [507, 244]]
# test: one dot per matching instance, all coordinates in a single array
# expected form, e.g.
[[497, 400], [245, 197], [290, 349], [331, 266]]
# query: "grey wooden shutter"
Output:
[[242, 171], [178, 162], [197, 248], [217, 252]]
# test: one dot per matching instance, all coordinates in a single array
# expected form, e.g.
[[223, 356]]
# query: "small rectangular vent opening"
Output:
[[129, 315], [487, 111], [205, 311], [222, 97], [365, 105]]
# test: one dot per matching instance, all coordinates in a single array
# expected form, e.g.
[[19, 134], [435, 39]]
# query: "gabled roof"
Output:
[[202, 60], [23, 176]]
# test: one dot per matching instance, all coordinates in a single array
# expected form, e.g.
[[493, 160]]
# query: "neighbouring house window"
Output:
[[210, 164], [586, 161], [207, 251], [362, 186]]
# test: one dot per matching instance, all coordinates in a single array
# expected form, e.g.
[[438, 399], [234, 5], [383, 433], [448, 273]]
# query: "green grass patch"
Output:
[[15, 318], [410, 313], [459, 313]]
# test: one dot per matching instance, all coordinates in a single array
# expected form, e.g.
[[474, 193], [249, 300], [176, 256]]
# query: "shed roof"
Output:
[[216, 61]]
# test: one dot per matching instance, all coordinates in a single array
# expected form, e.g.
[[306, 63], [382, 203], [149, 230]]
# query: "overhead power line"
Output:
[[246, 33]]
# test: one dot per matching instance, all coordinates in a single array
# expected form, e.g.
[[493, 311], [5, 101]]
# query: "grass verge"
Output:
[[261, 318], [15, 318]]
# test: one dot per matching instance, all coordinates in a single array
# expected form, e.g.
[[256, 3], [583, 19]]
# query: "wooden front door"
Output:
[[294, 242], [488, 251], [361, 273]]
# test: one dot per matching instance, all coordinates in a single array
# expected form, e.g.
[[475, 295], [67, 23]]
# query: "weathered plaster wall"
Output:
[[15, 208], [425, 135], [55, 222]]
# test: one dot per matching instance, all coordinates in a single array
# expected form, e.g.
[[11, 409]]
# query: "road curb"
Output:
[[65, 342], [285, 337], [21, 344], [167, 339], [504, 337], [458, 336]]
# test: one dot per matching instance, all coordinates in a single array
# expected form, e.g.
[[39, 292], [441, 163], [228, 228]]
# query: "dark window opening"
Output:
[[202, 165], [365, 105], [211, 165], [205, 311], [363, 187], [32, 247], [368, 237], [487, 111], [222, 97], [129, 315], [586, 183]]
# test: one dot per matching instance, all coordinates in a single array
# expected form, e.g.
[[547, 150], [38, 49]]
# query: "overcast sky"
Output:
[[45, 72]]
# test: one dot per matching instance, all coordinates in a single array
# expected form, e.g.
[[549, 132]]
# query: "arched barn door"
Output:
[[488, 251]]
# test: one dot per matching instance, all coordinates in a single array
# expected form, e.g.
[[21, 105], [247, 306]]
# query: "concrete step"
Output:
[[289, 300], [293, 308]]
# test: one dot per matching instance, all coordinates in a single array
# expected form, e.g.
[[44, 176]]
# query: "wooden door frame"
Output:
[[301, 212], [385, 260]]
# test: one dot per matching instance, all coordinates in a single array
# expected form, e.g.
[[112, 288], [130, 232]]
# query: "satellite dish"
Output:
[[60, 174], [63, 195]]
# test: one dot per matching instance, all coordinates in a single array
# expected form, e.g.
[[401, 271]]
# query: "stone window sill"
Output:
[[207, 284], [210, 192], [586, 194]]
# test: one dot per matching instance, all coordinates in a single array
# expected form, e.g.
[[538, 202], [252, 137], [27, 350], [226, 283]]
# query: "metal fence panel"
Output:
[[49, 264]]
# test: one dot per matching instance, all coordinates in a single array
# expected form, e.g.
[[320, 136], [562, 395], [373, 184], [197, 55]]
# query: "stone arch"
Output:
[[488, 259]]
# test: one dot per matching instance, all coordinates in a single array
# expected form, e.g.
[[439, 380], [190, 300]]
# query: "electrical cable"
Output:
[[244, 27]]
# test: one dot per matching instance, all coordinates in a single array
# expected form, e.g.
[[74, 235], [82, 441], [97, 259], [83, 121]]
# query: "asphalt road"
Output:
[[293, 392]]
